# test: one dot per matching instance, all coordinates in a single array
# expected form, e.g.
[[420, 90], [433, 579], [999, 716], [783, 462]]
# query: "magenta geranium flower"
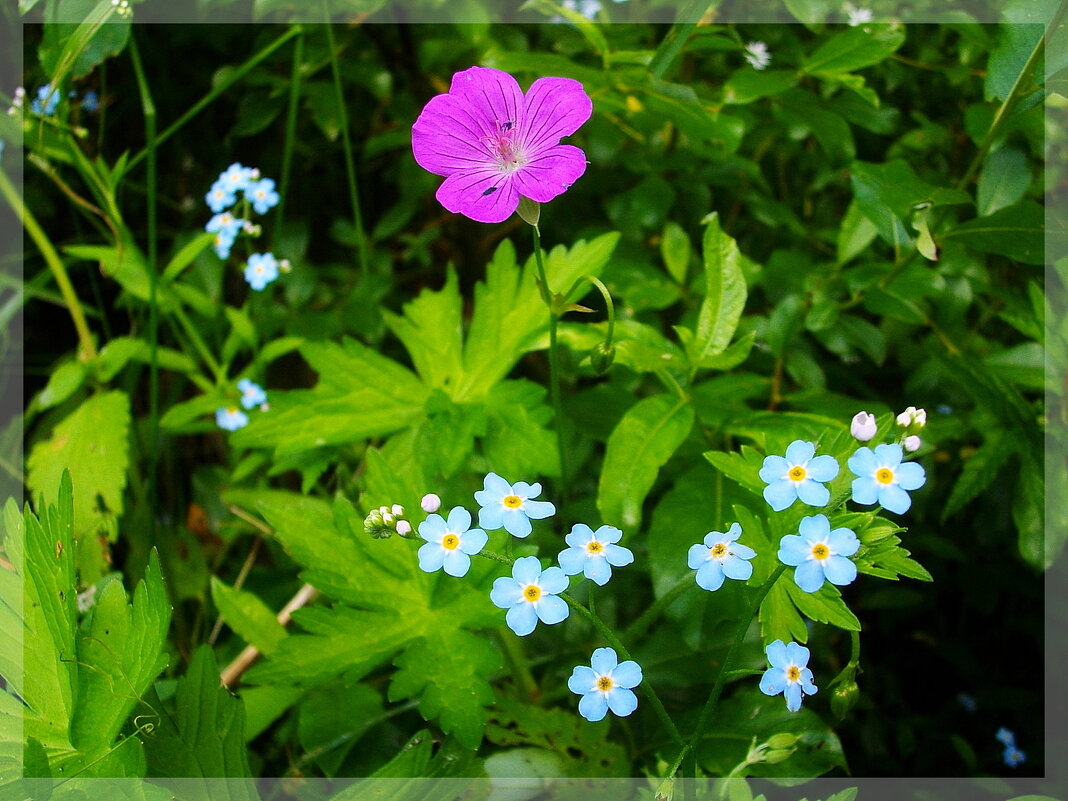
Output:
[[493, 143]]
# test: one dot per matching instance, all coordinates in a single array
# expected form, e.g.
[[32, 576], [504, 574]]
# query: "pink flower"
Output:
[[493, 143]]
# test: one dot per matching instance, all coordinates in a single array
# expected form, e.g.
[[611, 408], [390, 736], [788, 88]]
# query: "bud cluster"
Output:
[[863, 427], [385, 521]]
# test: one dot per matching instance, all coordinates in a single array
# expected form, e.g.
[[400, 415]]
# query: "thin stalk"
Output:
[[346, 146], [513, 648], [638, 627], [677, 35], [721, 679], [59, 272], [291, 130], [198, 343], [216, 91], [610, 307], [614, 641], [554, 366], [149, 108]]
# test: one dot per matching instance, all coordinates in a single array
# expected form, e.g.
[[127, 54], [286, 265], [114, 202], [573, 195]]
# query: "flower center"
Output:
[[504, 149], [594, 547], [793, 673], [512, 501], [531, 592], [797, 473], [605, 683], [232, 410], [820, 551], [884, 475], [719, 550], [450, 542]]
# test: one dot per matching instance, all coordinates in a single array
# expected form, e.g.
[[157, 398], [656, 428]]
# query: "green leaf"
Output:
[[588, 28], [980, 470], [675, 251], [91, 442], [855, 49], [185, 256], [742, 468], [725, 295], [1017, 232], [202, 738], [339, 711], [824, 606], [79, 35], [431, 330], [779, 619], [118, 352], [641, 443], [747, 85], [248, 616], [64, 382], [360, 394], [1004, 180]]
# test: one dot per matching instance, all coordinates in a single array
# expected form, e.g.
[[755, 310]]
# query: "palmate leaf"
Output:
[[387, 608], [79, 687]]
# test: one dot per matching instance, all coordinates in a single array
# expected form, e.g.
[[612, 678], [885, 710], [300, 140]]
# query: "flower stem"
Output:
[[614, 641], [554, 367], [721, 679], [636, 629], [513, 647], [291, 131], [610, 307], [55, 264]]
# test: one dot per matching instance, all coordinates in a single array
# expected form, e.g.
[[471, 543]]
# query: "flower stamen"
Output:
[[531, 593]]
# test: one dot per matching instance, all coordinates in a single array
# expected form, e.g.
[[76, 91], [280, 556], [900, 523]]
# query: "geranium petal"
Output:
[[484, 194], [522, 619], [494, 96], [554, 108], [550, 173], [448, 137]]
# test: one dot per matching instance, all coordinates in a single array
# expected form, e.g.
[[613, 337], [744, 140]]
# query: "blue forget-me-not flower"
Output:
[[788, 674], [450, 543], [606, 684], [230, 418], [720, 557], [252, 394], [799, 475], [530, 595], [819, 553], [509, 506], [262, 268], [262, 195], [594, 553], [883, 479]]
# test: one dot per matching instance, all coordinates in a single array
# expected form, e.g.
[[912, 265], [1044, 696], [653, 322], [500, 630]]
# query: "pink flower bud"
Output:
[[912, 443], [430, 503], [863, 426], [404, 528]]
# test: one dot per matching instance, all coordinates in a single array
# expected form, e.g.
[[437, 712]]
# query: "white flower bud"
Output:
[[430, 503], [404, 528], [397, 509], [388, 519], [919, 417], [863, 427], [904, 418], [912, 443]]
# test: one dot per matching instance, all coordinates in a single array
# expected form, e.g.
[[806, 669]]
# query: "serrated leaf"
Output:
[[980, 469], [641, 443], [824, 606], [203, 737], [248, 616], [778, 616], [742, 468], [91, 442], [431, 330], [79, 35]]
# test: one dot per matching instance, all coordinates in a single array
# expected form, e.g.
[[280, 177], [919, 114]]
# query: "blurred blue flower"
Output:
[[720, 557], [224, 221], [819, 553], [262, 268], [883, 479], [797, 476], [587, 8], [450, 544], [968, 702], [220, 197], [237, 177], [46, 101], [509, 506], [90, 102], [606, 684], [1013, 756], [230, 418], [530, 595], [1005, 737], [594, 553], [789, 673], [262, 195], [252, 394]]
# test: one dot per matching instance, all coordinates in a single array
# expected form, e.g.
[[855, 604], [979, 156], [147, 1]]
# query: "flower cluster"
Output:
[[252, 395], [1011, 756], [258, 195], [758, 55], [385, 521]]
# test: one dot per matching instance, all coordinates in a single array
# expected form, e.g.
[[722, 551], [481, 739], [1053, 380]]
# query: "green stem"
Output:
[[149, 108], [610, 307], [291, 130], [55, 264], [678, 34], [346, 145], [554, 367], [514, 650], [216, 91], [638, 627], [721, 679], [198, 343], [614, 641]]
